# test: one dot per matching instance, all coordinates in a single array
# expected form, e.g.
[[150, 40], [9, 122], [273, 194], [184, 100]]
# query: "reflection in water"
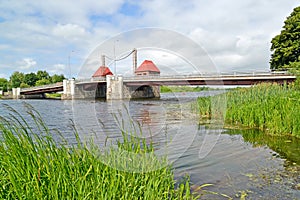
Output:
[[233, 161], [287, 147]]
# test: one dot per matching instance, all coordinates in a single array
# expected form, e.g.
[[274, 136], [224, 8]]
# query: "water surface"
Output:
[[236, 162]]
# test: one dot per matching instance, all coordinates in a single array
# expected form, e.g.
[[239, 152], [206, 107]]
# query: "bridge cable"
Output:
[[120, 58]]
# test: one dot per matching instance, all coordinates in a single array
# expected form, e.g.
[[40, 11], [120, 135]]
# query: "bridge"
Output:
[[51, 88], [118, 87]]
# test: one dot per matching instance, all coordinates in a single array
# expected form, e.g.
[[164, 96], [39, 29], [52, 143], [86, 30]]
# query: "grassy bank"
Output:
[[34, 165], [168, 89], [53, 95], [269, 107]]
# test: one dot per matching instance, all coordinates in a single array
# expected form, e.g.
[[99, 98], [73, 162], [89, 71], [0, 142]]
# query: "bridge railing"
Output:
[[187, 76], [83, 80], [208, 75], [59, 84]]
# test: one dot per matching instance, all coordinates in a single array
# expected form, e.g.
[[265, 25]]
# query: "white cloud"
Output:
[[27, 63], [69, 31], [3, 76], [57, 69], [236, 34]]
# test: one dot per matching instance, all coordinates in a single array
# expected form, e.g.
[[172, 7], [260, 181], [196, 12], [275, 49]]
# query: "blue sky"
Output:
[[42, 35]]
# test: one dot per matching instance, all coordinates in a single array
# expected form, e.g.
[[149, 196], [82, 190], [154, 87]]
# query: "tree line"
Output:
[[22, 80]]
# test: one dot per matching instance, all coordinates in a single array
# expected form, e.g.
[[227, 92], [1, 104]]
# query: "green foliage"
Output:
[[42, 82], [53, 95], [30, 79], [286, 45], [57, 78], [33, 165], [24, 85], [3, 84], [42, 75], [270, 107], [16, 79]]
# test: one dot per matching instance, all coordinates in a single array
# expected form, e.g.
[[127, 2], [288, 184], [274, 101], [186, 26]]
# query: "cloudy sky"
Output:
[[43, 35]]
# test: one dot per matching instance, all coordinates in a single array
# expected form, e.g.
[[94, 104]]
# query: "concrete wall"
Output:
[[114, 87], [90, 91], [117, 90], [16, 93], [69, 89]]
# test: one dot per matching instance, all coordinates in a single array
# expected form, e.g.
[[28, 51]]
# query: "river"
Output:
[[237, 163]]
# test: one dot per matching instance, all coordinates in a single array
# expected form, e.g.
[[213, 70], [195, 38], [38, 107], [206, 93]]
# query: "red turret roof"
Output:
[[102, 71], [146, 66]]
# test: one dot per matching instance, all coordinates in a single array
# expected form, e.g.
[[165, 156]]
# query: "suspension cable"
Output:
[[120, 58], [125, 56]]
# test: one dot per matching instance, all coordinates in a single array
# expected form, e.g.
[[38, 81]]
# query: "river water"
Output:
[[237, 163]]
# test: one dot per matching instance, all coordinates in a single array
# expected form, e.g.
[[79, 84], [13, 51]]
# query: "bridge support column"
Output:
[[114, 86], [69, 89], [16, 93]]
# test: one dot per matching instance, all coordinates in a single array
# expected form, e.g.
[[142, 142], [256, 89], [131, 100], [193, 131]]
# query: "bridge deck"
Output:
[[57, 87], [229, 79]]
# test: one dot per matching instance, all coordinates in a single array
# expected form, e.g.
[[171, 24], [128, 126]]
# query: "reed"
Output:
[[34, 164], [270, 107]]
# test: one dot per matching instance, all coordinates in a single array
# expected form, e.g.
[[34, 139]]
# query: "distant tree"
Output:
[[3, 84], [24, 85], [16, 79], [57, 78], [30, 79], [42, 75], [42, 82], [286, 45]]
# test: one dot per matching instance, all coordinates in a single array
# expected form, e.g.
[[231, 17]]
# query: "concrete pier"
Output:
[[68, 89], [114, 85]]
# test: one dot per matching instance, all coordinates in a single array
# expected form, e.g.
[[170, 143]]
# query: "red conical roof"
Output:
[[146, 66], [102, 71]]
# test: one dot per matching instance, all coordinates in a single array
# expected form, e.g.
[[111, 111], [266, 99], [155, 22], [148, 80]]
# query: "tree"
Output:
[[57, 78], [16, 79], [42, 82], [3, 84], [24, 85], [30, 79], [42, 75], [286, 45]]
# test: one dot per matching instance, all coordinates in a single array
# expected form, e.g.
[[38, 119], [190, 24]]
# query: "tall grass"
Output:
[[34, 165], [270, 107]]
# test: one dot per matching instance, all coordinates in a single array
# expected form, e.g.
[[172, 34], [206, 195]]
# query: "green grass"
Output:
[[35, 165], [53, 95], [269, 107], [168, 89]]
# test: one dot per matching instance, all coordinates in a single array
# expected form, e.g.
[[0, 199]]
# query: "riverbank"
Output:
[[273, 108], [168, 89], [34, 165]]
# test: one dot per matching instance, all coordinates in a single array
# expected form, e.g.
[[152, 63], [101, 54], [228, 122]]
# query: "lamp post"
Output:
[[115, 60]]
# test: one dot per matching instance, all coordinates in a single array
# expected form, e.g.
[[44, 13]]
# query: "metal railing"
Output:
[[59, 84], [188, 76]]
